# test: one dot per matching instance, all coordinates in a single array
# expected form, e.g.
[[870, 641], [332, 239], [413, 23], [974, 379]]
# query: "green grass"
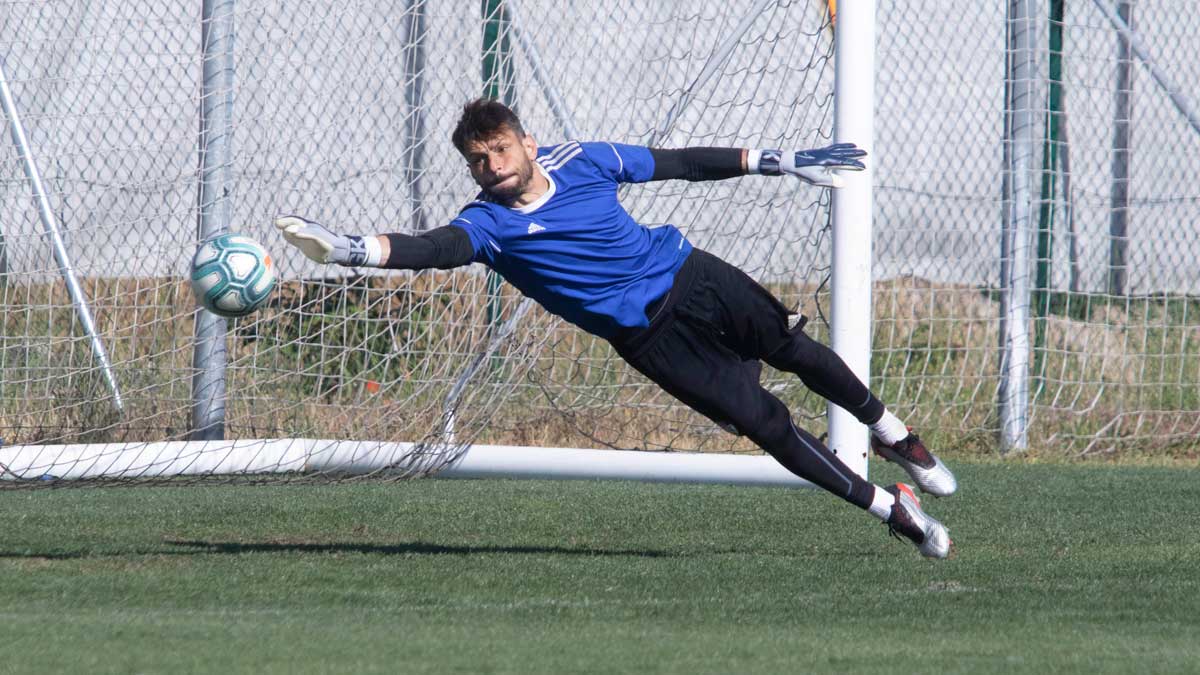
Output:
[[1071, 568]]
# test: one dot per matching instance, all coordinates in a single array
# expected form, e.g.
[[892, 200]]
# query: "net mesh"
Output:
[[342, 113], [1113, 366]]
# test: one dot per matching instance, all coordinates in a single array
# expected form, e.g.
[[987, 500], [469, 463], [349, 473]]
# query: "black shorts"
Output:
[[707, 339]]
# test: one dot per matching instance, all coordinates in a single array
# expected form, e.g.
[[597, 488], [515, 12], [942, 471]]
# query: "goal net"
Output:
[[342, 112]]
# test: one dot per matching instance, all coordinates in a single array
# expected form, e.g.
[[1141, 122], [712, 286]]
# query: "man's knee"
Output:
[[764, 419]]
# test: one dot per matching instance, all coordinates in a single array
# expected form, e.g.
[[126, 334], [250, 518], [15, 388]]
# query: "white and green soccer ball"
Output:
[[232, 275]]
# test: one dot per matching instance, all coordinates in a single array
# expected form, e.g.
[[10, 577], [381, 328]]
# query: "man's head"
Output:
[[499, 153]]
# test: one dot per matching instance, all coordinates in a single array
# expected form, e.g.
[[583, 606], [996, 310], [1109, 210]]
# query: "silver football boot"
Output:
[[907, 520], [926, 470]]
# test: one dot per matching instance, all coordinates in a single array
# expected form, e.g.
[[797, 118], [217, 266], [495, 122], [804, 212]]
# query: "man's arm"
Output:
[[442, 248], [696, 164], [816, 166]]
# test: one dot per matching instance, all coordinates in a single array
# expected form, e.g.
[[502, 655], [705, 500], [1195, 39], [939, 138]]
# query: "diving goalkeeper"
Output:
[[548, 220]]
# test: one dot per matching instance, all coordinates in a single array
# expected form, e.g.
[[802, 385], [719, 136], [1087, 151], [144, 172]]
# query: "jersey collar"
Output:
[[540, 201]]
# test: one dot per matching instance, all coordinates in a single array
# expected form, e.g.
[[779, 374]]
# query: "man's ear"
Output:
[[530, 146]]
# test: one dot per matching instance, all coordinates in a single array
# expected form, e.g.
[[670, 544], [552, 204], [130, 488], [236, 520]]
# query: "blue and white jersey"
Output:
[[576, 251]]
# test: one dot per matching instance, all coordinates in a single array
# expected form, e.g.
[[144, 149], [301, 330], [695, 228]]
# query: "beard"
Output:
[[511, 189]]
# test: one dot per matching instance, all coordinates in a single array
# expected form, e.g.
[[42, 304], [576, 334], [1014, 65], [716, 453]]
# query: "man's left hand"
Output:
[[820, 166]]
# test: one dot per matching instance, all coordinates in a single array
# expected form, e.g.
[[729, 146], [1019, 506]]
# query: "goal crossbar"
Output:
[[136, 461]]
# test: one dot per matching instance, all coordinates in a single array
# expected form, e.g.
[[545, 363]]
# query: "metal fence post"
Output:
[[216, 152], [1013, 392], [413, 55]]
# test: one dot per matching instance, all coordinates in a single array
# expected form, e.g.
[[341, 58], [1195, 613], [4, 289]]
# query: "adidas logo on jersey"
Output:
[[534, 228]]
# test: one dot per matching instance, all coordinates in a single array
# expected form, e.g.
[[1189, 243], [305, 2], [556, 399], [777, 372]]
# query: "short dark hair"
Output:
[[483, 118]]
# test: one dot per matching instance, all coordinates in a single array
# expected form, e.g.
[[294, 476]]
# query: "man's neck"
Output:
[[538, 186]]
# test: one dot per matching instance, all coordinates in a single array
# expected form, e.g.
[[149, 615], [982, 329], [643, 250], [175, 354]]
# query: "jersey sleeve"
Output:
[[483, 230], [620, 162]]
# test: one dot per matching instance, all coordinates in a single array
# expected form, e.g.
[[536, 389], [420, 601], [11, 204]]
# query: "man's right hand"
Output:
[[321, 245]]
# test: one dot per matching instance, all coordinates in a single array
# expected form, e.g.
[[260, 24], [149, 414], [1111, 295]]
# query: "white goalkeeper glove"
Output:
[[817, 167], [324, 246]]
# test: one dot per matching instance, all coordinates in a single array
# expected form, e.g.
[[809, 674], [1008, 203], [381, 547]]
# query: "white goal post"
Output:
[[853, 212], [316, 457]]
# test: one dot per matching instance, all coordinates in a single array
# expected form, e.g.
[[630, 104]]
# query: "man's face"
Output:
[[502, 165]]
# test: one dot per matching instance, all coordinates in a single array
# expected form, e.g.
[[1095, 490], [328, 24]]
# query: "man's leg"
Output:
[[823, 371], [693, 366], [754, 324], [689, 361]]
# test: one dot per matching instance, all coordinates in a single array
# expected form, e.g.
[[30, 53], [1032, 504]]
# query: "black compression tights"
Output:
[[770, 424], [802, 453], [824, 372]]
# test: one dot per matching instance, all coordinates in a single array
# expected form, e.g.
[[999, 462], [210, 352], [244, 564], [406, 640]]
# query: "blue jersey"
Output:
[[576, 251]]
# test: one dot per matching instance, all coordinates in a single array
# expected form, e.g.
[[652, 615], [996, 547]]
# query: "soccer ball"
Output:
[[232, 275]]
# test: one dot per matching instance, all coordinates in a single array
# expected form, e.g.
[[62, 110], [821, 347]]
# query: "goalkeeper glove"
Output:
[[817, 167], [323, 246]]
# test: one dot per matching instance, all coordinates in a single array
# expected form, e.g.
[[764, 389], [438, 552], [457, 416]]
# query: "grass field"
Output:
[[1060, 568]]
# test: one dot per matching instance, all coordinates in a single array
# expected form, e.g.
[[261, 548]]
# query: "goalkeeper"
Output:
[[548, 220]]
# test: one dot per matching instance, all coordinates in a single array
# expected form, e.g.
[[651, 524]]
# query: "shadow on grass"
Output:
[[416, 547], [202, 547]]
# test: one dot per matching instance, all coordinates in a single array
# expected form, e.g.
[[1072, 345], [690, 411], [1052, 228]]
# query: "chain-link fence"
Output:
[[1113, 205]]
